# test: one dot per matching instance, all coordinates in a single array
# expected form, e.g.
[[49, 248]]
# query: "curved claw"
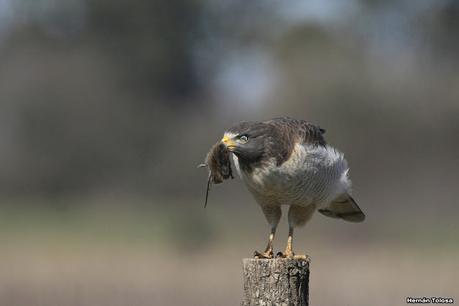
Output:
[[292, 256], [289, 255], [264, 255]]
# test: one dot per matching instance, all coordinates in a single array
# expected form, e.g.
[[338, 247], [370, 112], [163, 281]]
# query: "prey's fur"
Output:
[[219, 164]]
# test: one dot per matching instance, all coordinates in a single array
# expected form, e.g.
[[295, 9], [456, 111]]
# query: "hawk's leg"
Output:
[[288, 249], [268, 253], [297, 216], [273, 215]]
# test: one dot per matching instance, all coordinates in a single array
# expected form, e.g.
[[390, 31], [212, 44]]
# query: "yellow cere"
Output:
[[228, 140]]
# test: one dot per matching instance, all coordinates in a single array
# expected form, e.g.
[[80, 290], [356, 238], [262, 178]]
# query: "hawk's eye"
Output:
[[243, 138]]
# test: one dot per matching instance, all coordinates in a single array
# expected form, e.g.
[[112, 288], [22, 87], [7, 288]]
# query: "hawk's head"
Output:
[[251, 141]]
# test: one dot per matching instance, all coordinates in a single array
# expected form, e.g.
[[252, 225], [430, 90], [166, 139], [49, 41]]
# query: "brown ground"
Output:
[[359, 275]]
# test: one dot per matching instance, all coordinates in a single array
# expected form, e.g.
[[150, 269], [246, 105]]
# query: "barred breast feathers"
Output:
[[312, 174]]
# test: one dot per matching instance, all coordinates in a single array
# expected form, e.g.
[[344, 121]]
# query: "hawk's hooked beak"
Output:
[[229, 142]]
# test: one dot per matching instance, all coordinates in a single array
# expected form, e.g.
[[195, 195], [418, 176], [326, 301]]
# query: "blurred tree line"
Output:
[[102, 95]]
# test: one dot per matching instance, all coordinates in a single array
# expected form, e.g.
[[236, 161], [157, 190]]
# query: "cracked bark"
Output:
[[278, 281]]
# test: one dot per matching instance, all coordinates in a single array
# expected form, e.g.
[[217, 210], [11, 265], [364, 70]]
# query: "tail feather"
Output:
[[344, 208]]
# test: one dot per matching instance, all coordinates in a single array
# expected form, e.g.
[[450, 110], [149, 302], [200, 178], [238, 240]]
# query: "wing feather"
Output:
[[296, 130]]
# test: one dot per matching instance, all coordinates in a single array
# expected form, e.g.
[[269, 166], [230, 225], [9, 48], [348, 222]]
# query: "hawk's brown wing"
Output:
[[299, 130], [292, 131]]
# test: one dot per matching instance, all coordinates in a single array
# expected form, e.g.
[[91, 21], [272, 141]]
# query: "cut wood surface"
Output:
[[278, 281]]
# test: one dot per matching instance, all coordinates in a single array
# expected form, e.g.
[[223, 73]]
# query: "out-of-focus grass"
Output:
[[132, 224], [133, 254], [178, 226]]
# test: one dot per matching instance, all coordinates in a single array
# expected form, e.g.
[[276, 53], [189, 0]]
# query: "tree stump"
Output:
[[278, 281]]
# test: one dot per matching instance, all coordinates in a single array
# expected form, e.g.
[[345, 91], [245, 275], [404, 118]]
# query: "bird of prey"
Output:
[[285, 161]]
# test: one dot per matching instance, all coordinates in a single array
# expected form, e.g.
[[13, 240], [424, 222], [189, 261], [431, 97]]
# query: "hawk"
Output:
[[285, 161]]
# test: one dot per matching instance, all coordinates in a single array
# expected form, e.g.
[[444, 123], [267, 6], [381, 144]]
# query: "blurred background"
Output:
[[107, 106]]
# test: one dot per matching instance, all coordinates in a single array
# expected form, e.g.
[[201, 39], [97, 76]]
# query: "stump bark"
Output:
[[278, 281]]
